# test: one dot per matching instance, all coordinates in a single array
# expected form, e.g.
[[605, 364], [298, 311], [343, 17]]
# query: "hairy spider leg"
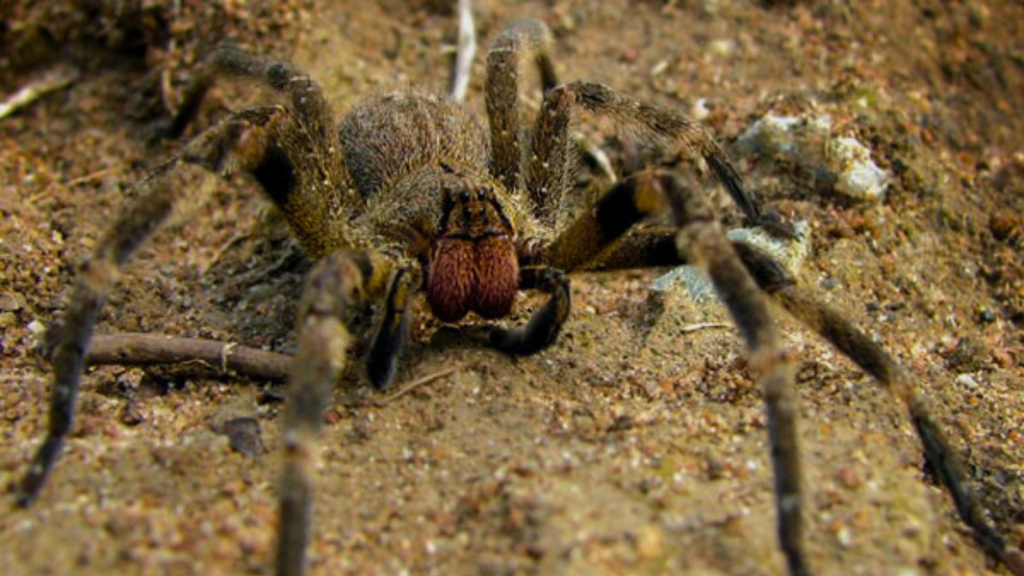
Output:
[[552, 156], [605, 237], [703, 237], [99, 274], [520, 43], [338, 283], [298, 159], [874, 360]]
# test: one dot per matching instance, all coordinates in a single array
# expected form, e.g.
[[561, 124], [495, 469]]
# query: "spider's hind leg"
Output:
[[707, 243], [874, 360]]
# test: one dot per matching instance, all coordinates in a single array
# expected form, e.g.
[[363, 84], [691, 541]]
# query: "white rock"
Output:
[[859, 177], [787, 136], [791, 253]]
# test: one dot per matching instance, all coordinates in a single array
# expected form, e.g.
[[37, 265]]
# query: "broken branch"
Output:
[[224, 357], [49, 82]]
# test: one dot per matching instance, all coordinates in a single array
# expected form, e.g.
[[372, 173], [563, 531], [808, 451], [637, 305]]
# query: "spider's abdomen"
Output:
[[392, 135]]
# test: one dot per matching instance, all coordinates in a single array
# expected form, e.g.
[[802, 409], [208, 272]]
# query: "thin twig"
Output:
[[465, 53], [412, 386], [703, 326], [50, 82], [224, 357], [90, 177]]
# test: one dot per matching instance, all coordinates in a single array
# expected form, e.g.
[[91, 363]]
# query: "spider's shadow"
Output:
[[257, 281]]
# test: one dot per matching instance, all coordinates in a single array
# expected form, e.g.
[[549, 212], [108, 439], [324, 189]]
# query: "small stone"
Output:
[[244, 435], [36, 327], [969, 355], [849, 478], [1004, 225], [723, 47], [845, 537], [829, 283], [650, 542], [12, 302], [131, 415], [859, 178], [967, 381]]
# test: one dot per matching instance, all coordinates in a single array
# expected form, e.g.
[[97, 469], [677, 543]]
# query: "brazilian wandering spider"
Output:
[[408, 195]]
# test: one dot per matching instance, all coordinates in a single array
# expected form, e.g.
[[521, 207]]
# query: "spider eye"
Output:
[[464, 196], [481, 193]]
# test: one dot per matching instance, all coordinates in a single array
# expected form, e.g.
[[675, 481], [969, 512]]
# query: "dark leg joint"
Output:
[[392, 332], [769, 274]]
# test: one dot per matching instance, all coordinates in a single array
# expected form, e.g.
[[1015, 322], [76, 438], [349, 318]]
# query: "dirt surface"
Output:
[[633, 445]]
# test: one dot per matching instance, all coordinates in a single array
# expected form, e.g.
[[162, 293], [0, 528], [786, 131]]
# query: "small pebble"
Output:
[[859, 177], [829, 283], [244, 435], [8, 319], [849, 478], [1003, 225], [967, 381], [12, 302], [845, 537]]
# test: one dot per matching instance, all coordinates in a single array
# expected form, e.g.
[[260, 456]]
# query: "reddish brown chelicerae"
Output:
[[472, 276]]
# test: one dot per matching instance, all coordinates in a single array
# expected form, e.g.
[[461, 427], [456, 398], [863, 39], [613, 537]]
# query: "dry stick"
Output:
[[413, 385], [90, 177], [703, 326], [50, 82], [141, 349], [133, 348], [465, 51]]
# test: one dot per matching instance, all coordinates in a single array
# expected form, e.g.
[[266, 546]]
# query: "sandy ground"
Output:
[[632, 446]]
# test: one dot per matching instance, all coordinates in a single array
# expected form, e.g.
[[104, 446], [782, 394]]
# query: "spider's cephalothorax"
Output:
[[419, 160], [409, 194]]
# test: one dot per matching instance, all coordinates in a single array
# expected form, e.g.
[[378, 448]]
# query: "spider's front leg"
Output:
[[99, 274], [551, 155], [339, 283], [521, 43]]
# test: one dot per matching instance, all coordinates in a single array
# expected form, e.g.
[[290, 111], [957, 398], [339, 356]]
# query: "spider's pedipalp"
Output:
[[545, 324]]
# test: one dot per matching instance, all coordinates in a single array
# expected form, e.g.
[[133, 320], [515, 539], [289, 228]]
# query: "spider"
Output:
[[408, 194]]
